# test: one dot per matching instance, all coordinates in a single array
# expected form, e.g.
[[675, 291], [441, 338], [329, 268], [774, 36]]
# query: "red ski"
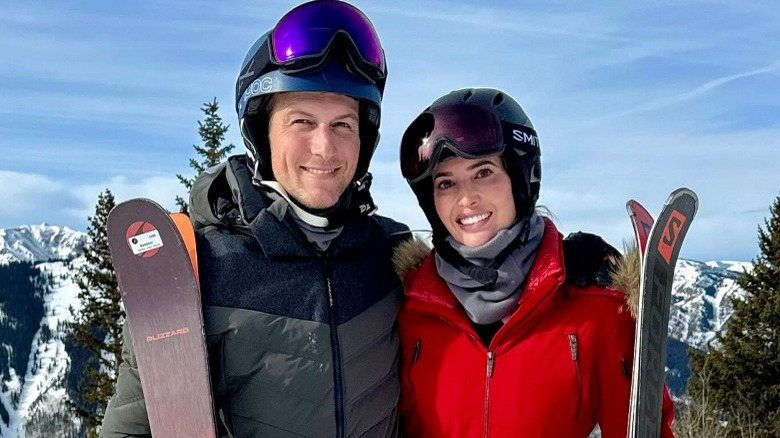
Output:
[[642, 222]]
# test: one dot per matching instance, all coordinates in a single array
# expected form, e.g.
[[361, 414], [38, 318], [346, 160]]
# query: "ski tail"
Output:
[[657, 274]]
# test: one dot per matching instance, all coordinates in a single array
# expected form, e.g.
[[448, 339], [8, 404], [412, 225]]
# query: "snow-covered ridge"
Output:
[[43, 392], [738, 267], [701, 299], [38, 243]]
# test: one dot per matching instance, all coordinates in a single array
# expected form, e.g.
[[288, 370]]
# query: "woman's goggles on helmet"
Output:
[[469, 131], [304, 37]]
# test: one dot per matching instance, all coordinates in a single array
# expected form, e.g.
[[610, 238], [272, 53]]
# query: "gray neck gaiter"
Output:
[[488, 306], [316, 234]]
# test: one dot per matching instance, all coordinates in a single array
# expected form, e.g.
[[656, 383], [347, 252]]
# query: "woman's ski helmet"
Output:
[[471, 123]]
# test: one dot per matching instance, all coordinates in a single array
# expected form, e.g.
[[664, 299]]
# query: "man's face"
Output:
[[315, 145]]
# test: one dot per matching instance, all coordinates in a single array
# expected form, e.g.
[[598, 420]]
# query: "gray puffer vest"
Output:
[[301, 343]]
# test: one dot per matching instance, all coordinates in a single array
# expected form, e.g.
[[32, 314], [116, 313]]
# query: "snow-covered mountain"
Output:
[[702, 304], [32, 393], [41, 393], [34, 399], [35, 243]]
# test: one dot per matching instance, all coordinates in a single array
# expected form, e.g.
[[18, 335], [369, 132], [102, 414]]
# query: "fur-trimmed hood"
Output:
[[410, 254]]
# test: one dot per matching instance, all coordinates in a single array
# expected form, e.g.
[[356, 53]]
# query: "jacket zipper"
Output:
[[338, 385], [491, 357], [488, 374], [417, 348], [228, 433], [574, 347]]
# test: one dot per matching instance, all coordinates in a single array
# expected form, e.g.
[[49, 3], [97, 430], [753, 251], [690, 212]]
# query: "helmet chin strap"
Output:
[[355, 201], [309, 218]]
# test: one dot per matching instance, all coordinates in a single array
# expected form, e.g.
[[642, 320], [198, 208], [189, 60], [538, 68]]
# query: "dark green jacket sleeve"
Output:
[[126, 412]]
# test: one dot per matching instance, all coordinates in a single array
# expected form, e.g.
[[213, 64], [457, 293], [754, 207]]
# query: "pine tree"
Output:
[[97, 328], [744, 365], [212, 132]]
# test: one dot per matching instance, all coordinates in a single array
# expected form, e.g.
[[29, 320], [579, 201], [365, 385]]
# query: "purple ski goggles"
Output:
[[304, 37]]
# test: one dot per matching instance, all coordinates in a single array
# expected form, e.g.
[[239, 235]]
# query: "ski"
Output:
[[642, 223], [656, 276], [155, 272]]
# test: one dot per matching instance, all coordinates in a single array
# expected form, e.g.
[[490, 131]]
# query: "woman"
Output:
[[493, 342]]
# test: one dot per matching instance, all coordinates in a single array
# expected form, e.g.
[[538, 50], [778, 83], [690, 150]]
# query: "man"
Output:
[[297, 283]]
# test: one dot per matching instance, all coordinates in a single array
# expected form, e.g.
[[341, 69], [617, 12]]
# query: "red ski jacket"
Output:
[[560, 365]]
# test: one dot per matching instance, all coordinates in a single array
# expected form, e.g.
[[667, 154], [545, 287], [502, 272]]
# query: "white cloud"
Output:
[[25, 195], [32, 198], [161, 189], [664, 101]]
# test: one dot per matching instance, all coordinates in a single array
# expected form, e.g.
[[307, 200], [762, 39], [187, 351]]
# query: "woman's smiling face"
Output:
[[473, 198]]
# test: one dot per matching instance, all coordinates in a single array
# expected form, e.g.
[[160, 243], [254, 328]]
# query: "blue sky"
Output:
[[630, 99]]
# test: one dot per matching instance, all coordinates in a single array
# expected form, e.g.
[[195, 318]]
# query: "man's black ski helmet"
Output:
[[470, 123], [322, 46]]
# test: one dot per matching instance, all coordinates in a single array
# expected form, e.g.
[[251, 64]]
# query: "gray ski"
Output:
[[164, 314], [657, 274]]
